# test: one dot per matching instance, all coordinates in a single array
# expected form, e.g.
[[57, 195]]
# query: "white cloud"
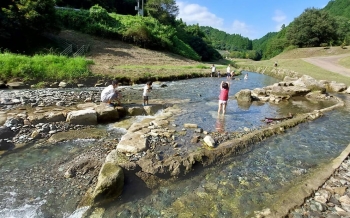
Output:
[[280, 18], [239, 27], [193, 14]]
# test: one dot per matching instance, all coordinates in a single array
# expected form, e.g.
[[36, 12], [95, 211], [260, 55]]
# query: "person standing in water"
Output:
[[146, 89], [213, 70], [228, 71], [246, 76], [223, 97]]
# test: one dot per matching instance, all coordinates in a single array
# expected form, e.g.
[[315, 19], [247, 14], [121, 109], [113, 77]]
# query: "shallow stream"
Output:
[[247, 183]]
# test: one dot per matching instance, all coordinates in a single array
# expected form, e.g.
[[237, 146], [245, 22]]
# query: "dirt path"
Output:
[[330, 63]]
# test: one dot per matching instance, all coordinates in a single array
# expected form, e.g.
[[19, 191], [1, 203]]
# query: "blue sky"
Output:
[[250, 18]]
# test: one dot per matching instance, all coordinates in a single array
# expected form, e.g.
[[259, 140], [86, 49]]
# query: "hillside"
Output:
[[311, 52], [113, 57]]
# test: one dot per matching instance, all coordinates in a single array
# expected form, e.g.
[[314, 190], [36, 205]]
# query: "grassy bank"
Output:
[[42, 67], [292, 61]]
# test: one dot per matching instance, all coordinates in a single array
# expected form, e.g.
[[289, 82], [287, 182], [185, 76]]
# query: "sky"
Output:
[[250, 18]]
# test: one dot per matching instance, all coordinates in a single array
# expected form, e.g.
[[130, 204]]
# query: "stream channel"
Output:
[[32, 182]]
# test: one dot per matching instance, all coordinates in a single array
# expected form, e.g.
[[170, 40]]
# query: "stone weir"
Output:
[[136, 153]]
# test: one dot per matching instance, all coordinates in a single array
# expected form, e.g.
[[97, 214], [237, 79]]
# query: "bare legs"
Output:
[[222, 107]]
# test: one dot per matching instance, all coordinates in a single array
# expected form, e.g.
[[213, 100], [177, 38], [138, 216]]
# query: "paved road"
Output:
[[330, 63]]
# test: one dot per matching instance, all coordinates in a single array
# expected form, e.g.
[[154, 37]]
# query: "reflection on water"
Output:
[[220, 124]]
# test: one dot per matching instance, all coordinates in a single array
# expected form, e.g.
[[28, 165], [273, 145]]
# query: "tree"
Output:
[[312, 28], [23, 20], [163, 10]]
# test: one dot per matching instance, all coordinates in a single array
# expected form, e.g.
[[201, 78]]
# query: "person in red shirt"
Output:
[[223, 97]]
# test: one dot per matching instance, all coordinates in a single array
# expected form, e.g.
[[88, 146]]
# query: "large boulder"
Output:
[[82, 117], [110, 183], [310, 83], [244, 95], [106, 113], [133, 142], [6, 145], [289, 91], [336, 87], [6, 133]]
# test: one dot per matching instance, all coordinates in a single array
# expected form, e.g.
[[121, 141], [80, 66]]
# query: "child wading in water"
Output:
[[146, 90], [223, 97]]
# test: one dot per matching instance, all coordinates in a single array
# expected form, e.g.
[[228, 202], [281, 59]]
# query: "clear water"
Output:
[[248, 182]]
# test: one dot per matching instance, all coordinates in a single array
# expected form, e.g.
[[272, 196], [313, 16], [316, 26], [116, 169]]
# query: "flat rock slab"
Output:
[[132, 142]]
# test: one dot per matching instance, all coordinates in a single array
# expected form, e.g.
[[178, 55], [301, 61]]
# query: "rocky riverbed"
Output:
[[36, 117]]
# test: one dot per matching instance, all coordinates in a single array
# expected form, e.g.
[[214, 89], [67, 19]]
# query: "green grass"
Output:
[[42, 67], [345, 62]]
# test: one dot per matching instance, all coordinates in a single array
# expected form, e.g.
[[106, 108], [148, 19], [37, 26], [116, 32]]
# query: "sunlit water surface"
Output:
[[246, 183]]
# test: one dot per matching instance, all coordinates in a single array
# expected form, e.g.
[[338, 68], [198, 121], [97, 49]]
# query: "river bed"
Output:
[[33, 184]]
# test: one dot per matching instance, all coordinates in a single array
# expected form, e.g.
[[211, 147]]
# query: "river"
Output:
[[33, 184]]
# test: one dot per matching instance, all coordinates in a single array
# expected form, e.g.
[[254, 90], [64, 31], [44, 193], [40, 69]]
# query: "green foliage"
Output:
[[42, 67], [312, 28], [163, 10], [338, 8], [21, 21], [98, 14], [146, 32], [224, 41], [183, 49]]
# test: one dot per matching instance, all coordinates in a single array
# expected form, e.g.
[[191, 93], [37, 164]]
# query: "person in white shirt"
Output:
[[146, 90], [213, 70], [110, 93], [228, 71], [246, 76]]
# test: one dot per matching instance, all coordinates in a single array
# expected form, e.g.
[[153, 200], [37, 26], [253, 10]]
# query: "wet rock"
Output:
[[243, 95], [209, 141], [153, 109], [190, 125], [195, 139], [6, 145], [6, 132], [198, 130], [82, 117], [110, 183]]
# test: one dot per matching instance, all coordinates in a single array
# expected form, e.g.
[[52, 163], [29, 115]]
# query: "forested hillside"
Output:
[[24, 24], [339, 8]]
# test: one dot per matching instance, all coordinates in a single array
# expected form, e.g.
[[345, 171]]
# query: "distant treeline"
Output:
[[329, 26]]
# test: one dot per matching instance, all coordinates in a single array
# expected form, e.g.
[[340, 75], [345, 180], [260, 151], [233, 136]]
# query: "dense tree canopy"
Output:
[[163, 10], [23, 20], [312, 28], [338, 8]]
